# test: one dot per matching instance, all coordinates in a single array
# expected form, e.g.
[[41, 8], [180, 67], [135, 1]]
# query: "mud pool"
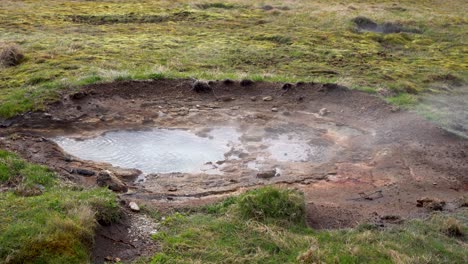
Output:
[[197, 148]]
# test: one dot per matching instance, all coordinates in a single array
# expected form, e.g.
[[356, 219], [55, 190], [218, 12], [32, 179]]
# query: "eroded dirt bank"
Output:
[[369, 162]]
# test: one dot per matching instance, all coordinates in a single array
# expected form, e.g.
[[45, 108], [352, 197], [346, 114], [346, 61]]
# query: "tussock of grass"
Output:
[[55, 225], [10, 55], [274, 204], [221, 233]]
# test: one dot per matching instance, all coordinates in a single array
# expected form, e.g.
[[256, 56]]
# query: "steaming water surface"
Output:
[[178, 150], [153, 151]]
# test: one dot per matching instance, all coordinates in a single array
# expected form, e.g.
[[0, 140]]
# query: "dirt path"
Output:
[[371, 162]]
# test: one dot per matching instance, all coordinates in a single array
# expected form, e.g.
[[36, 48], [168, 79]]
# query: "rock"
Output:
[[267, 98], [433, 204], [274, 109], [323, 111], [117, 260], [107, 178], [78, 95], [84, 172], [266, 174], [108, 258], [253, 98], [126, 174], [246, 82], [286, 86], [134, 207], [201, 87]]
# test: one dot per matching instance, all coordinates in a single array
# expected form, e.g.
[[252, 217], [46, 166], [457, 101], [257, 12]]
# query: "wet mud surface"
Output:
[[356, 158]]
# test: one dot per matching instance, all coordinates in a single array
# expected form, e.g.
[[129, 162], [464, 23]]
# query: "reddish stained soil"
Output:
[[382, 160]]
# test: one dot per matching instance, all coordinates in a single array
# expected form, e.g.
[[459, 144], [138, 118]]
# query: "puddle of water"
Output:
[[154, 151]]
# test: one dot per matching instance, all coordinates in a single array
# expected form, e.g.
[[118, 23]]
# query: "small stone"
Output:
[[286, 86], [108, 258], [267, 98], [266, 174], [107, 178], [274, 109], [201, 87], [126, 174], [117, 260], [323, 111], [84, 172], [134, 207], [78, 95], [253, 98]]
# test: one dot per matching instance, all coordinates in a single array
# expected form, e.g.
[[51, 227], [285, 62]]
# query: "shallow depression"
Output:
[[155, 150]]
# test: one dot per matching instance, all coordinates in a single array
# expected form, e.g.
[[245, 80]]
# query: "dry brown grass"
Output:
[[10, 55]]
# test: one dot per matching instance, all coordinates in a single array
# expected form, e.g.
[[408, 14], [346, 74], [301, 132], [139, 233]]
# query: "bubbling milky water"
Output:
[[155, 150]]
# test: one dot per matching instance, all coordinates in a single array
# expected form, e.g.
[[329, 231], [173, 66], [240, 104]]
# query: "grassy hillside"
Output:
[[69, 43]]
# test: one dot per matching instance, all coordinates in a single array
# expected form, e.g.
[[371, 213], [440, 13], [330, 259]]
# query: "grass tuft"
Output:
[[10, 55], [272, 204]]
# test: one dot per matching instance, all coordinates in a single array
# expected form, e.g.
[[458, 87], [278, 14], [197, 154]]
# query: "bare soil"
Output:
[[378, 161]]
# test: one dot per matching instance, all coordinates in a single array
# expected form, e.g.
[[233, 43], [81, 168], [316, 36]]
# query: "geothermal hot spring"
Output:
[[160, 150]]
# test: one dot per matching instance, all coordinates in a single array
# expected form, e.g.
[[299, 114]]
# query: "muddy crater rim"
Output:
[[197, 150]]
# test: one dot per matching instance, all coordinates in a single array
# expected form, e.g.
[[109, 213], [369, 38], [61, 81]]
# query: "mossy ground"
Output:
[[70, 43], [223, 233], [43, 221]]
